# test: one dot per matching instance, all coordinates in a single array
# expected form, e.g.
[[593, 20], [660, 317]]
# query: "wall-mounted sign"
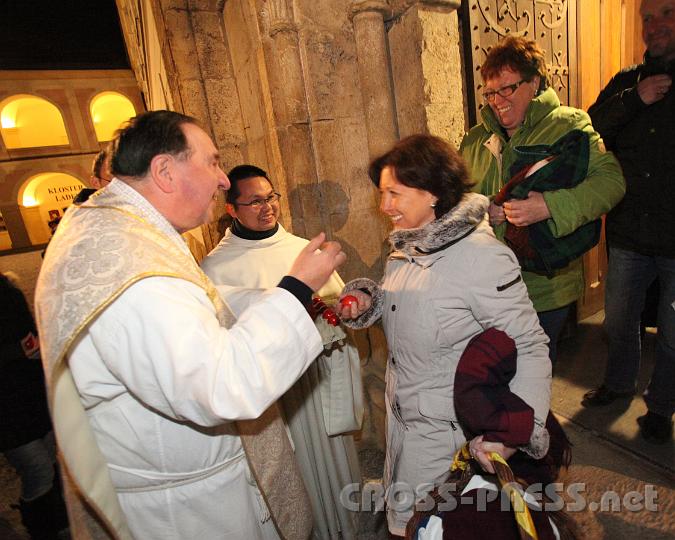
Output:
[[64, 193]]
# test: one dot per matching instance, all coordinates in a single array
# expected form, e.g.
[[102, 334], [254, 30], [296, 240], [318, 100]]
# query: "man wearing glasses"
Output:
[[522, 112], [256, 252]]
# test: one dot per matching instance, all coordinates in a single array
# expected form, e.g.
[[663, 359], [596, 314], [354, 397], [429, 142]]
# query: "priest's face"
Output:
[[197, 179], [263, 214]]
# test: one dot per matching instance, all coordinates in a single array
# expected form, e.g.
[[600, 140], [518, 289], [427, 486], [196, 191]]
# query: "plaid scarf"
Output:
[[565, 164]]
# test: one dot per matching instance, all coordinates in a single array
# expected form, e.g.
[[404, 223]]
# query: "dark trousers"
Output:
[[552, 323]]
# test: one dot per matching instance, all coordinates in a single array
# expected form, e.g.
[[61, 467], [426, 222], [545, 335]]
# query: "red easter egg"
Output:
[[349, 300]]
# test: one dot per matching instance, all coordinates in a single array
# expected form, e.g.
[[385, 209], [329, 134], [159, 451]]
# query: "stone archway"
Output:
[[42, 201]]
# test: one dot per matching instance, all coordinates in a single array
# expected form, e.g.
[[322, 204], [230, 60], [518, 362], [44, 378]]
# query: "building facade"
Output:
[[52, 124]]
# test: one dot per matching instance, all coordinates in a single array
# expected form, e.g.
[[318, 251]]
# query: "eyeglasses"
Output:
[[504, 91], [257, 203]]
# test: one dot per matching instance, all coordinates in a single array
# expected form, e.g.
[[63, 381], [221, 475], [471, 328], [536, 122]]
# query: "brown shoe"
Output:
[[602, 395]]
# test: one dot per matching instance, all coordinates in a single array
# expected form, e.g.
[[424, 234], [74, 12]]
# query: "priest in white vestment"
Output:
[[257, 251], [152, 377]]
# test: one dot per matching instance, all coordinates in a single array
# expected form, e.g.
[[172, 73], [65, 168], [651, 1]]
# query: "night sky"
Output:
[[61, 34]]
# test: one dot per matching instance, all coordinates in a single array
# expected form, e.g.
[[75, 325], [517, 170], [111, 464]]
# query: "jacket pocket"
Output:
[[441, 426], [436, 407]]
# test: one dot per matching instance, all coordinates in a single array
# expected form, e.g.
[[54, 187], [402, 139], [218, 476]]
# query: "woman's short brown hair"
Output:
[[428, 163], [521, 55]]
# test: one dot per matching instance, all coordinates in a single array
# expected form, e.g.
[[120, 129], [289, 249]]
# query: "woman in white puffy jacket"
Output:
[[446, 280]]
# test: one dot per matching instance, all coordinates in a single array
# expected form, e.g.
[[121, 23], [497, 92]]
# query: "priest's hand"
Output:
[[353, 304], [317, 261]]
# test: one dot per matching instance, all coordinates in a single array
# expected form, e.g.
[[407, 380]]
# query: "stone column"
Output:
[[15, 225], [425, 50], [177, 40], [288, 81], [196, 67], [374, 75], [292, 121]]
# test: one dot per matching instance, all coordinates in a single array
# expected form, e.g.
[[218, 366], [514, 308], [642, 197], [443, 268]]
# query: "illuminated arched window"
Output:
[[29, 121], [109, 110]]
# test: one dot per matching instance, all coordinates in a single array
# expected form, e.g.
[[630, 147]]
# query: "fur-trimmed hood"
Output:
[[443, 231]]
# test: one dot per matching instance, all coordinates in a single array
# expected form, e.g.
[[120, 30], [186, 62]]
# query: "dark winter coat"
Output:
[[23, 404], [643, 139], [566, 165]]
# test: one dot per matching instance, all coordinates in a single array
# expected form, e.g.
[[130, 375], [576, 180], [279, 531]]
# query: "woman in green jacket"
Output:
[[523, 111]]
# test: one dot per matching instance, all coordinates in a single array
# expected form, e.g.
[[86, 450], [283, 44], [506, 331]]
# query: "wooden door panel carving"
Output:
[[546, 21]]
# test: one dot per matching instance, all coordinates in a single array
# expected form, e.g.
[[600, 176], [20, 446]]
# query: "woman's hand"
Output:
[[496, 214], [480, 450], [353, 309], [527, 211]]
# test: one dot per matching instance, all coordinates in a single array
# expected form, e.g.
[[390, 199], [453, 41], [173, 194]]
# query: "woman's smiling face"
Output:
[[407, 207], [510, 111]]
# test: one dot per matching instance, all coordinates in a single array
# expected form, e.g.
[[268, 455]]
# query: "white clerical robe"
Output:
[[159, 378], [327, 464]]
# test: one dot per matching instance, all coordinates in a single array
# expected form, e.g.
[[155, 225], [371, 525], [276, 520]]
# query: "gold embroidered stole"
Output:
[[99, 250]]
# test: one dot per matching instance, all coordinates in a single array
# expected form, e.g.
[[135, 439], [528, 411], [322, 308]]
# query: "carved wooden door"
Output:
[[608, 39]]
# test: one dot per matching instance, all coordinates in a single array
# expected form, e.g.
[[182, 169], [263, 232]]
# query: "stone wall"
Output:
[[425, 49]]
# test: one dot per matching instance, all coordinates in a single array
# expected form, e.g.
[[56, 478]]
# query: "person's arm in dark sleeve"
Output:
[[617, 104], [298, 289]]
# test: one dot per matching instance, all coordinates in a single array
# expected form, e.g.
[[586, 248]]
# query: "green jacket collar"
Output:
[[538, 108]]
